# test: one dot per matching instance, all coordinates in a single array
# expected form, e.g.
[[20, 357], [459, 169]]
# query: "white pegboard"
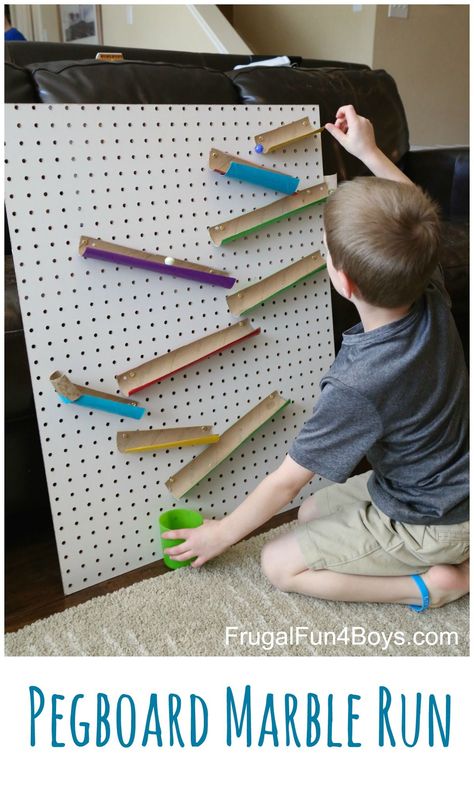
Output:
[[138, 176]]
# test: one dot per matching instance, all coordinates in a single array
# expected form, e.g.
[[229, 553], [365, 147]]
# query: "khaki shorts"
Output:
[[351, 535]]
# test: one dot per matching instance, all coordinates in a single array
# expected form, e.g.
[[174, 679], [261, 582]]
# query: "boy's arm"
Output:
[[214, 537], [356, 135]]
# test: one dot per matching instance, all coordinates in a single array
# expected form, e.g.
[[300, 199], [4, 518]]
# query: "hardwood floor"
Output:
[[33, 588]]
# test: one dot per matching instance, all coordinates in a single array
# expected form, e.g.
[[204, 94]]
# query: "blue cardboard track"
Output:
[[264, 178], [103, 404]]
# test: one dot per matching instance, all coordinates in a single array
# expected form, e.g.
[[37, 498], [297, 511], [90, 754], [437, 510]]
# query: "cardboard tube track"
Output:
[[286, 134], [162, 438], [273, 212], [168, 364], [115, 253], [257, 293], [187, 477]]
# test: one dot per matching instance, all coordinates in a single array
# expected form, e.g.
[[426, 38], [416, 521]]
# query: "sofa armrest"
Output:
[[444, 174]]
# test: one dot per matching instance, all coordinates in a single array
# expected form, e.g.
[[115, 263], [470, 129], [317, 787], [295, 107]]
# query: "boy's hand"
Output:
[[204, 542], [354, 133], [213, 537]]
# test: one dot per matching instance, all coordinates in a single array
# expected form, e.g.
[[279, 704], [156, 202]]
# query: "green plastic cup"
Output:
[[177, 519]]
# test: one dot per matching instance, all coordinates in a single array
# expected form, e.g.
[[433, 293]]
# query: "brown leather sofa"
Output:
[[68, 73]]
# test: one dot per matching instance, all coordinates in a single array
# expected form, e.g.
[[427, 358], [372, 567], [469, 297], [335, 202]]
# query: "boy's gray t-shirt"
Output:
[[398, 395]]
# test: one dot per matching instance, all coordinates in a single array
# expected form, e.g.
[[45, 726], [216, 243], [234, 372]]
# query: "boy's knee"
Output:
[[273, 567], [307, 511]]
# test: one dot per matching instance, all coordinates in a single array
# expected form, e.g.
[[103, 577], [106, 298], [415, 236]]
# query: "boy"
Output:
[[397, 392]]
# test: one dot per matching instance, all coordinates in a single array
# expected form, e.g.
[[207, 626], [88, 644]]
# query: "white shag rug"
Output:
[[228, 608]]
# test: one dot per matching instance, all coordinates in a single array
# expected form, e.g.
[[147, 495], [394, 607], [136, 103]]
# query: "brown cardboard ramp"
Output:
[[187, 477]]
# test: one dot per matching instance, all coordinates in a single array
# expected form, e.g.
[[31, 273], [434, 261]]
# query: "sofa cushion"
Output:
[[444, 173], [24, 52], [454, 257], [19, 87], [372, 92], [26, 491], [18, 393], [130, 82]]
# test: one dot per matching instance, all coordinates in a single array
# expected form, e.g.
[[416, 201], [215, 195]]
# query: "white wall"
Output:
[[323, 32], [174, 27], [428, 57], [181, 27]]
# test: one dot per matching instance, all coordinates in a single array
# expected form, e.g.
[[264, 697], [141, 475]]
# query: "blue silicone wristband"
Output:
[[425, 595]]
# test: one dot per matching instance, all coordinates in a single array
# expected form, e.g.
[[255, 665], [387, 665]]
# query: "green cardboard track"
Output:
[[271, 221], [286, 288], [239, 445]]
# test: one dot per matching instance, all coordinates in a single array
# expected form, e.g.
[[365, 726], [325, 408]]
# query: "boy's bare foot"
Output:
[[446, 583]]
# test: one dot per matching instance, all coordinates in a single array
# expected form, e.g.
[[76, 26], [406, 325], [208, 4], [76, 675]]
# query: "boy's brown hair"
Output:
[[385, 236]]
